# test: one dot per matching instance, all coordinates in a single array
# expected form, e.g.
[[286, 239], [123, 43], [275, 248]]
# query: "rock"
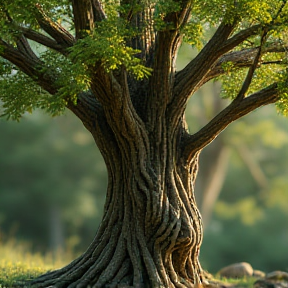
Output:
[[275, 279], [270, 284], [263, 284], [237, 270], [277, 275], [258, 274]]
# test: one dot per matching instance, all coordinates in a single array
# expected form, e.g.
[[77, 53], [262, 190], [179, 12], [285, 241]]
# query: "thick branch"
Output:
[[98, 11], [231, 113], [187, 75], [241, 36], [87, 109], [18, 58], [23, 32], [167, 43], [25, 48], [179, 18], [141, 20], [112, 92], [31, 66], [237, 39], [42, 39], [20, 37], [83, 17], [188, 78]]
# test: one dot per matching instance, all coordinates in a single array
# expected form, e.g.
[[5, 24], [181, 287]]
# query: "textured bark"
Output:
[[151, 231]]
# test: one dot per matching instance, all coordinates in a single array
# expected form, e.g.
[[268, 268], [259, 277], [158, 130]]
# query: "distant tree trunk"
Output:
[[212, 173], [56, 230], [213, 179]]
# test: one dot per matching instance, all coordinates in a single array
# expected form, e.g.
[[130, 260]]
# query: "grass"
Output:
[[245, 282], [17, 263]]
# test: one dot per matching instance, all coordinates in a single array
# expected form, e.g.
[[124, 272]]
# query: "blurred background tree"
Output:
[[39, 206], [43, 181]]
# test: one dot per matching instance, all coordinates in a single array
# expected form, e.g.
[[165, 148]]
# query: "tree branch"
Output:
[[231, 113], [55, 30], [188, 78], [42, 39], [251, 71], [88, 110], [21, 42], [179, 18], [241, 59], [31, 66], [86, 13], [24, 63], [238, 38], [187, 75], [167, 43], [83, 17], [32, 35], [25, 48], [98, 11], [87, 105]]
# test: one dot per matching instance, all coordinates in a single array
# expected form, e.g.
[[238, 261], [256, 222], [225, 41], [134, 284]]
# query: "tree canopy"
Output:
[[49, 47]]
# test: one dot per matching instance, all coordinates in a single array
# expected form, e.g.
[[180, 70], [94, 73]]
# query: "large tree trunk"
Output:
[[151, 231]]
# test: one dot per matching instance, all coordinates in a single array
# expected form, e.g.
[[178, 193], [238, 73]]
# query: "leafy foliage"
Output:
[[108, 46], [26, 95], [21, 94]]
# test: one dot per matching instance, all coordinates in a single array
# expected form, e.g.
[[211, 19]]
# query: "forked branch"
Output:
[[188, 80], [217, 47], [23, 32]]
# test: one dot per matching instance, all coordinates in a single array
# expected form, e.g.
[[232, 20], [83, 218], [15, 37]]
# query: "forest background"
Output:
[[53, 184]]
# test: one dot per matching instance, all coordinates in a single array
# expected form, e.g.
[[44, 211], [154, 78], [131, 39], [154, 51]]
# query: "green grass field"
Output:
[[17, 263]]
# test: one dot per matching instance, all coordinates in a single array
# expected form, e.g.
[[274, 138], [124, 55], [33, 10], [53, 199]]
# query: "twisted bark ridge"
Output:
[[151, 231]]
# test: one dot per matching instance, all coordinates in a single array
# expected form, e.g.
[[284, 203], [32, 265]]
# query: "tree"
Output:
[[112, 63]]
